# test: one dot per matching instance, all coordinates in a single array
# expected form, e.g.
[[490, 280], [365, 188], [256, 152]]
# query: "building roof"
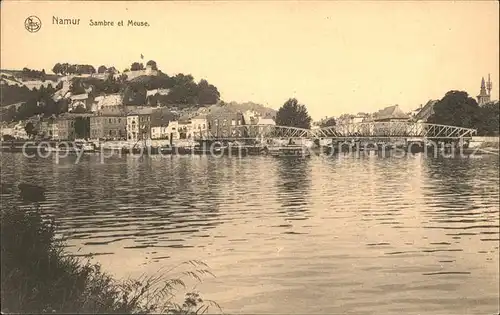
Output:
[[157, 91], [83, 96], [426, 110], [141, 111], [113, 111], [222, 109], [162, 117], [109, 100], [266, 121], [391, 112], [200, 116]]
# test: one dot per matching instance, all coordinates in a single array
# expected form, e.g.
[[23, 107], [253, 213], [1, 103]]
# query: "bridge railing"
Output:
[[395, 129], [355, 130]]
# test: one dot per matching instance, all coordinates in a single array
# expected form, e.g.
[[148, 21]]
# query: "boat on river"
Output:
[[289, 151]]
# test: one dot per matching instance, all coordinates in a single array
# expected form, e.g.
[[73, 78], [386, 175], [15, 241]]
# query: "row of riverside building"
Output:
[[136, 123]]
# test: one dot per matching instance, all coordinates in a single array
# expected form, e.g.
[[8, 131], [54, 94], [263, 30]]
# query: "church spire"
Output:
[[489, 85], [484, 97]]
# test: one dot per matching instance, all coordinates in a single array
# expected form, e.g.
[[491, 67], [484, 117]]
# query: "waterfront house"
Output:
[[425, 112], [185, 128], [160, 120], [139, 124], [15, 130], [65, 127], [109, 124], [250, 117], [173, 129], [266, 121], [199, 126], [49, 128], [222, 121], [390, 114], [387, 115]]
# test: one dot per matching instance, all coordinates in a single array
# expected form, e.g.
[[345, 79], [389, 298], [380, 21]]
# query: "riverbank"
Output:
[[38, 276]]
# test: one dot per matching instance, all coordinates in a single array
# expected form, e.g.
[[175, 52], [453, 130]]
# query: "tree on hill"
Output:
[[456, 108], [79, 110], [136, 66], [293, 114], [57, 69], [153, 65], [207, 93], [82, 127], [134, 95], [183, 91], [490, 117], [30, 129], [76, 87], [102, 69], [330, 122]]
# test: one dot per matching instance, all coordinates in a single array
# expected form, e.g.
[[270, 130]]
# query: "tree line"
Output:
[[457, 108], [35, 74], [37, 102], [66, 69]]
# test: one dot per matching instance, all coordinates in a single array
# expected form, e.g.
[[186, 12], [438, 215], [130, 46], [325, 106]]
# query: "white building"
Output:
[[266, 121], [137, 73], [78, 100], [110, 100], [15, 130], [199, 126], [160, 132], [139, 124], [251, 117], [173, 129]]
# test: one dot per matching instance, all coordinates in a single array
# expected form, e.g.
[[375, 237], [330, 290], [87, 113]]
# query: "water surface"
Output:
[[366, 235]]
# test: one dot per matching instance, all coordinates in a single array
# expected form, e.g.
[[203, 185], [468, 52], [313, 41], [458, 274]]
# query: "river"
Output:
[[366, 235]]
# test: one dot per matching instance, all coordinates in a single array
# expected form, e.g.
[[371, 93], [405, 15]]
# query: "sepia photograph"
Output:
[[250, 157]]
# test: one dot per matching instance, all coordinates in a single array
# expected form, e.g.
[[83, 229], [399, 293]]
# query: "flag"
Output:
[[142, 56]]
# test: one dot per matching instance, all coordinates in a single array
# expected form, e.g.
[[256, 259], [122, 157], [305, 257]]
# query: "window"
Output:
[[233, 122], [110, 120]]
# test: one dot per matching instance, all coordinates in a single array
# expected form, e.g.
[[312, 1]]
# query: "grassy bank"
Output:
[[37, 276]]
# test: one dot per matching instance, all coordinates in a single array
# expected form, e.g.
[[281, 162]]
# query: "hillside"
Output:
[[179, 92], [261, 109], [23, 75]]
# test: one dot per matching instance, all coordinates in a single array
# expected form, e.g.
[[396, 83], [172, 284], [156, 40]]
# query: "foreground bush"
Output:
[[37, 277]]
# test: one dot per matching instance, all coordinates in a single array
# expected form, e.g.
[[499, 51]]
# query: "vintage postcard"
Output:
[[250, 157]]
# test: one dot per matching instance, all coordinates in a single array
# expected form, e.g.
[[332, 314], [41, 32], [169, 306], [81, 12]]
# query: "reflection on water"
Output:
[[365, 235], [293, 181]]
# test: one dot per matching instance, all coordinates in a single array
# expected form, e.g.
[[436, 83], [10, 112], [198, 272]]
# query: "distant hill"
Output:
[[23, 76], [259, 108]]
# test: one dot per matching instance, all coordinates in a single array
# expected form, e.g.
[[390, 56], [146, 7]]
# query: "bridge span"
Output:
[[363, 130]]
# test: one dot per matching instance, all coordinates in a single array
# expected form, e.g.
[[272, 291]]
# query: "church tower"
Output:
[[484, 96]]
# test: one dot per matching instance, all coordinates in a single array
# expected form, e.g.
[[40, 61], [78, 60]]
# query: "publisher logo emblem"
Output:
[[32, 24]]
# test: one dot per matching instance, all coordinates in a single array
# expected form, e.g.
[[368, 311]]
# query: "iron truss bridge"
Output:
[[257, 132], [394, 130], [356, 130]]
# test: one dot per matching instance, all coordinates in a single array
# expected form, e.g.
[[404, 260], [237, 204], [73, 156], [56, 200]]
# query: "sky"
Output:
[[333, 56]]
